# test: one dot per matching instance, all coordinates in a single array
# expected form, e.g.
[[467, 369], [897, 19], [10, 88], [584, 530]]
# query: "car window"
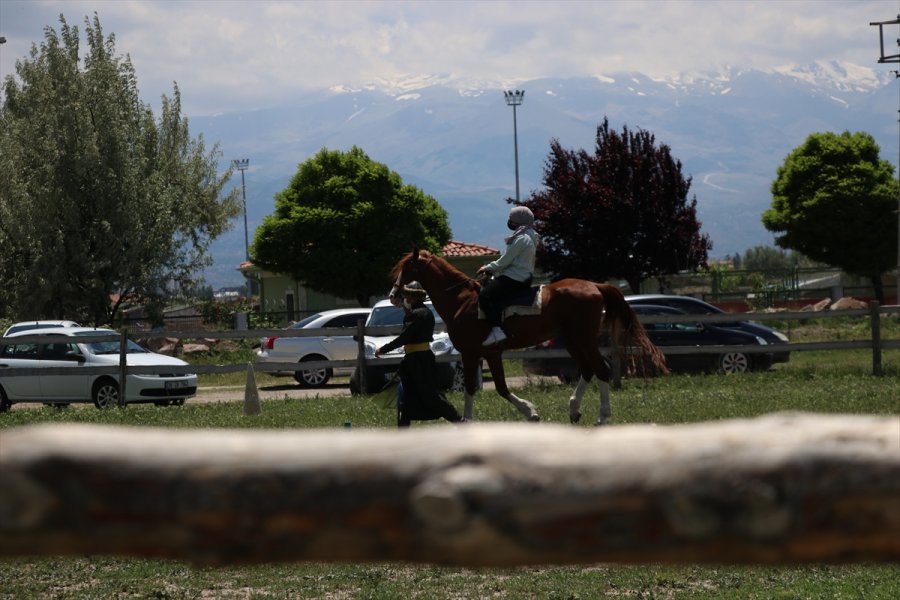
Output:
[[112, 346], [345, 320], [57, 350], [692, 308], [29, 350], [386, 316], [305, 321]]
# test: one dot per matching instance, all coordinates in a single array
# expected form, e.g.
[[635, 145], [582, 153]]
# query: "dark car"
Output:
[[667, 335], [695, 306]]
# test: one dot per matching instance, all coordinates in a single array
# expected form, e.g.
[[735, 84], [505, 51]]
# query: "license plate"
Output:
[[176, 385]]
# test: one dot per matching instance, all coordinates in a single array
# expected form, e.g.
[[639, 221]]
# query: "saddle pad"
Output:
[[521, 309]]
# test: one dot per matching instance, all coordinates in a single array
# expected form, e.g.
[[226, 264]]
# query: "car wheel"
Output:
[[459, 378], [5, 404], [311, 378], [734, 362], [105, 393]]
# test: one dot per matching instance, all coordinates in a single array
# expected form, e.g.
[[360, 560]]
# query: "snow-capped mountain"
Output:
[[454, 138]]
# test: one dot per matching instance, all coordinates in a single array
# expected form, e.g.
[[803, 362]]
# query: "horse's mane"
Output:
[[445, 266]]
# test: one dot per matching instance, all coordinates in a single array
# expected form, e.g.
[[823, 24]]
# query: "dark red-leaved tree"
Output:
[[622, 212]]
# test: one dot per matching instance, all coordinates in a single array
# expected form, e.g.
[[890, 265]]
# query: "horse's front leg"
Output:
[[471, 364]]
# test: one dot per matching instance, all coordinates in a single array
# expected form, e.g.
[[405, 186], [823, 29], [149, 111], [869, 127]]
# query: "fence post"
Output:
[[123, 366], [361, 355], [875, 318]]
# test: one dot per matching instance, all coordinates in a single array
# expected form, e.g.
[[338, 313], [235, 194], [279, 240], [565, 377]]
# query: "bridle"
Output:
[[394, 290]]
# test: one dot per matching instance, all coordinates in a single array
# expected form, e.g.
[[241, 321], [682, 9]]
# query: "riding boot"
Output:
[[494, 337]]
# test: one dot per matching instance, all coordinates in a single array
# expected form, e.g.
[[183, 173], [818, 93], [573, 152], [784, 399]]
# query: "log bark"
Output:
[[779, 489]]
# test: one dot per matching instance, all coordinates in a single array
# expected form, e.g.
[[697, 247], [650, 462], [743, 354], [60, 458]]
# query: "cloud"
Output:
[[227, 55]]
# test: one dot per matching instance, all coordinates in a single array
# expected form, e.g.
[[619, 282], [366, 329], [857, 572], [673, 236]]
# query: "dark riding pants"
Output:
[[497, 295]]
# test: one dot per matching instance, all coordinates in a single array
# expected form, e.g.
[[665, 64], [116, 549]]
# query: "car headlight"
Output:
[[370, 349], [761, 341], [440, 346], [781, 336]]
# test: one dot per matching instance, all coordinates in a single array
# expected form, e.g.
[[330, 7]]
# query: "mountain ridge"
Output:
[[730, 129]]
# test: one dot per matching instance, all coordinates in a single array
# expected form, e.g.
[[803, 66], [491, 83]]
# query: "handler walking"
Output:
[[421, 400]]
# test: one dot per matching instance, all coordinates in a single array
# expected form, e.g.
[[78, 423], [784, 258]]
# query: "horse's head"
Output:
[[409, 268]]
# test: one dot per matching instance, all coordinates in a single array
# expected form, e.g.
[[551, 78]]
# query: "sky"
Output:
[[237, 55]]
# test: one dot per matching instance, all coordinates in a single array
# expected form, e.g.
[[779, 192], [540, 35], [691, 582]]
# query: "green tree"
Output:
[[98, 200], [772, 260], [835, 201], [343, 221], [623, 211]]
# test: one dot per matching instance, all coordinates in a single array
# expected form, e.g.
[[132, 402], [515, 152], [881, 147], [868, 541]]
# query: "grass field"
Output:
[[825, 382]]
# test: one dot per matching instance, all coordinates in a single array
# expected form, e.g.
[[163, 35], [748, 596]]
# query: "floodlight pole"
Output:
[[241, 164], [884, 59], [514, 99]]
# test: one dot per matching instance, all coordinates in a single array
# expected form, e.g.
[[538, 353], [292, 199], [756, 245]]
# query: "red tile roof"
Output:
[[455, 248]]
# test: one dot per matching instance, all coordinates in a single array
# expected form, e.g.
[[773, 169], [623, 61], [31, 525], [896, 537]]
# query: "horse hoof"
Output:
[[575, 419], [534, 418]]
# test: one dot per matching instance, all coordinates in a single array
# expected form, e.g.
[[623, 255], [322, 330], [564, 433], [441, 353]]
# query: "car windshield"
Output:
[[110, 347], [386, 316]]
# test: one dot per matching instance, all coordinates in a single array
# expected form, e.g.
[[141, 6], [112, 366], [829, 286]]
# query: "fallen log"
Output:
[[779, 489]]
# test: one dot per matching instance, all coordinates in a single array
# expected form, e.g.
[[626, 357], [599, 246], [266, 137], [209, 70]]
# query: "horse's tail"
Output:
[[626, 331]]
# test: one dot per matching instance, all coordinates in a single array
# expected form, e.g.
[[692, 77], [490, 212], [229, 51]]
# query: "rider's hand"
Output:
[[481, 271], [377, 352]]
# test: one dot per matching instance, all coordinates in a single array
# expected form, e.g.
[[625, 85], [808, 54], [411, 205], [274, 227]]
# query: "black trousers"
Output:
[[497, 294], [421, 400]]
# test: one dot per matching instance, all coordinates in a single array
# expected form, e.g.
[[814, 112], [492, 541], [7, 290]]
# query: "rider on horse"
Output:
[[420, 399], [512, 271]]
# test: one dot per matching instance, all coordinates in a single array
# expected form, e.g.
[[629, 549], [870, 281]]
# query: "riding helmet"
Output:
[[521, 215]]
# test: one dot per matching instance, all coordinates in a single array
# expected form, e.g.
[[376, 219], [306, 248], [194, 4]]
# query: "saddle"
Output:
[[526, 303]]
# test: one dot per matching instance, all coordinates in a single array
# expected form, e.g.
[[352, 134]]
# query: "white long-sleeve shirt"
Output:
[[517, 261]]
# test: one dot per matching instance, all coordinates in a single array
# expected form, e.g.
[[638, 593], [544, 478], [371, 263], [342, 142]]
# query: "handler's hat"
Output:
[[414, 288]]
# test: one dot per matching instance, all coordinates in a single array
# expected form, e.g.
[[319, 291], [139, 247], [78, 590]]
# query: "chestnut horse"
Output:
[[574, 309]]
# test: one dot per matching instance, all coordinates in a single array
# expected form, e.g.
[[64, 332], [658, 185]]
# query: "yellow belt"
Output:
[[420, 347]]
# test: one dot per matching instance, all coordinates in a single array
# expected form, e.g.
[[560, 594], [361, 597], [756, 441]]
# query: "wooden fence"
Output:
[[779, 489], [875, 343]]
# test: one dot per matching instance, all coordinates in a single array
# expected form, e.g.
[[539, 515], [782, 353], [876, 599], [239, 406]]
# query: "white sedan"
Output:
[[60, 348], [316, 348]]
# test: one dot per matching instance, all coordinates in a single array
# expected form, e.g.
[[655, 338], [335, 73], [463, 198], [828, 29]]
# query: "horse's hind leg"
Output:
[[605, 412], [525, 407], [575, 400]]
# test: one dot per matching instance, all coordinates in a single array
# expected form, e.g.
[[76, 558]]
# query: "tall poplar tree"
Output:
[[99, 201]]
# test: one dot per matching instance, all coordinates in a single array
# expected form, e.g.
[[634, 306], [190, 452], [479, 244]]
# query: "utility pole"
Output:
[[885, 59], [514, 99]]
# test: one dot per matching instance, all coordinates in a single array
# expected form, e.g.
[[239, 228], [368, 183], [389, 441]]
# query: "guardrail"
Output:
[[873, 313]]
